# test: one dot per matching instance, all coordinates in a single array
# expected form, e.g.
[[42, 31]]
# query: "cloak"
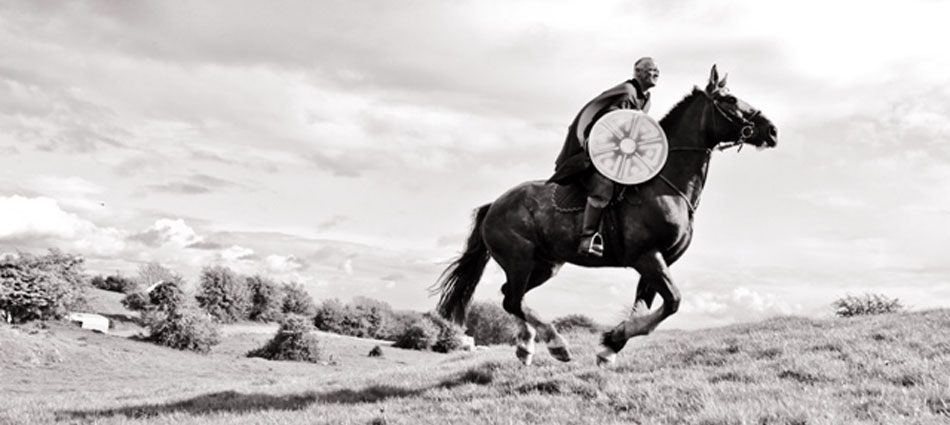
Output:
[[573, 158]]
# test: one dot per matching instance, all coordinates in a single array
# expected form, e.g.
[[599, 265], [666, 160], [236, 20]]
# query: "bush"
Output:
[[223, 294], [397, 323], [294, 341], [490, 324], [115, 283], [866, 304], [166, 295], [183, 328], [575, 323], [450, 335], [136, 301], [297, 300], [364, 319], [40, 287], [421, 335]]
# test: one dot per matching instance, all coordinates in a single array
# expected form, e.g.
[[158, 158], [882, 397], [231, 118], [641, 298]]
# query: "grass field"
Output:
[[890, 369]]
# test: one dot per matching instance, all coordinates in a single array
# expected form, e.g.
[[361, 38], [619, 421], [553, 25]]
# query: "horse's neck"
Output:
[[688, 161]]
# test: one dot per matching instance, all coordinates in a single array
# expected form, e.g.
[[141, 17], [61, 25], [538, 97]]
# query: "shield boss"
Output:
[[627, 146]]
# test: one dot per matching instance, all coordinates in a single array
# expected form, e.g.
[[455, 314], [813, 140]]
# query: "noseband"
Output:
[[744, 125]]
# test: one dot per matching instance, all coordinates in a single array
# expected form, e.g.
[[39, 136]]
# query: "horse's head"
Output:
[[734, 121]]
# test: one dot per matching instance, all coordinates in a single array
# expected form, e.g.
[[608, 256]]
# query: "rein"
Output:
[[689, 204]]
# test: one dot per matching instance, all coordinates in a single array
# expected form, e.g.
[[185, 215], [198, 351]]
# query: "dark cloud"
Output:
[[331, 222], [394, 277], [344, 166], [206, 245], [196, 184], [150, 238]]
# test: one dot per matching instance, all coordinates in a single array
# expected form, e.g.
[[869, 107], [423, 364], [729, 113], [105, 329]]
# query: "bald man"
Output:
[[574, 163]]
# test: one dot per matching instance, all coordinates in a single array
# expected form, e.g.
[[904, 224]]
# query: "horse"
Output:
[[525, 234]]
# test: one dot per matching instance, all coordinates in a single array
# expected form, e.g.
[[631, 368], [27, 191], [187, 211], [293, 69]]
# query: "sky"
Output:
[[344, 144]]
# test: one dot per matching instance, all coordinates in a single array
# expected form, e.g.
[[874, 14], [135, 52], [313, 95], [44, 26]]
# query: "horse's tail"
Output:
[[457, 283]]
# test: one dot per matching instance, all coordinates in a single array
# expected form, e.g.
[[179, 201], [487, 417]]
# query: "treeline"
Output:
[[44, 287]]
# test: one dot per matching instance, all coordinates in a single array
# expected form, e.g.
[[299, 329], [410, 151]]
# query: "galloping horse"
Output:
[[530, 240]]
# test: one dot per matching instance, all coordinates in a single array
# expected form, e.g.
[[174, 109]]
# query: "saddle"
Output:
[[572, 197]]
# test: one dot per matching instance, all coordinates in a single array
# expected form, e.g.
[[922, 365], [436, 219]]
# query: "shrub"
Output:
[[377, 351], [115, 283], [364, 319], [184, 327], [490, 324], [450, 335], [421, 335], [136, 301], [166, 295], [267, 300], [866, 304], [575, 323], [294, 341], [223, 294], [297, 300], [397, 323], [40, 287]]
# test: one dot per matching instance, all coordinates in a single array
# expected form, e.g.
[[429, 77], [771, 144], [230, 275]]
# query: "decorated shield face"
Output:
[[627, 146]]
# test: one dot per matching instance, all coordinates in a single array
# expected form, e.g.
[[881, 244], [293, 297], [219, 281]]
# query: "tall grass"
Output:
[[890, 369]]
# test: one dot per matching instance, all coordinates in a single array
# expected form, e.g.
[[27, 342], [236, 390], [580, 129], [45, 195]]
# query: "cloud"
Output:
[[195, 184], [165, 231], [331, 222], [347, 266], [34, 221], [282, 264]]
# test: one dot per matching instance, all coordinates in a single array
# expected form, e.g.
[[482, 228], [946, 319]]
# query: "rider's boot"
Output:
[[592, 243]]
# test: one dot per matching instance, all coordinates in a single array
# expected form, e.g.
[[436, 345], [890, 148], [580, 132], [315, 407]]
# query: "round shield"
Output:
[[627, 146]]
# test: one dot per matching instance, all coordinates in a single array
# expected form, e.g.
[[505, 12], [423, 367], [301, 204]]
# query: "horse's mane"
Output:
[[677, 111]]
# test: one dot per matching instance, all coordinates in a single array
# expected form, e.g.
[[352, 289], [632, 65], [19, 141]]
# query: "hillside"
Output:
[[886, 369]]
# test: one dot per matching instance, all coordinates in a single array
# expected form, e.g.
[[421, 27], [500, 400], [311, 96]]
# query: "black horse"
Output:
[[530, 240]]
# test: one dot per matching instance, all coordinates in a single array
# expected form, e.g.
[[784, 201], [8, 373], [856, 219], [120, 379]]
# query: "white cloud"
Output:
[[347, 267], [36, 219], [282, 264]]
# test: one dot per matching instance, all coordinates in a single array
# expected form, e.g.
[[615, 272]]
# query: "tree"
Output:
[[223, 294], [297, 300], [267, 299], [40, 287], [151, 273]]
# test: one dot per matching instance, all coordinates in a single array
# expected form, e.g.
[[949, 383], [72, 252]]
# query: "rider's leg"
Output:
[[599, 193]]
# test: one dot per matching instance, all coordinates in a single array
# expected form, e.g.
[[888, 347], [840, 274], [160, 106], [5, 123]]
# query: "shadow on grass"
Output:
[[235, 402]]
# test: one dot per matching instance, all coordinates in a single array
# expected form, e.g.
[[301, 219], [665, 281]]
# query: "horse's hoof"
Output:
[[560, 353], [606, 358], [524, 355]]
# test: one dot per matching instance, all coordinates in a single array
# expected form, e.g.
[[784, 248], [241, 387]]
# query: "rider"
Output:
[[574, 161]]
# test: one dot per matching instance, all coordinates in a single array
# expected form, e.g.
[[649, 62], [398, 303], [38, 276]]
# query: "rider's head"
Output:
[[646, 72]]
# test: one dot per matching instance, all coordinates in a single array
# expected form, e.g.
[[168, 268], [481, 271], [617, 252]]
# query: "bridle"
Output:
[[746, 131], [744, 124]]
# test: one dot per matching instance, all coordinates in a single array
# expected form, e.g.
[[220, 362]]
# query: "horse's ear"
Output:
[[722, 82], [713, 79]]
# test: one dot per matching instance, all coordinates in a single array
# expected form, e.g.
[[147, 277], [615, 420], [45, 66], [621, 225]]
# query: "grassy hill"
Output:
[[888, 369]]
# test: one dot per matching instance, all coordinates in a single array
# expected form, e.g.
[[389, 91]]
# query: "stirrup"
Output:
[[596, 245]]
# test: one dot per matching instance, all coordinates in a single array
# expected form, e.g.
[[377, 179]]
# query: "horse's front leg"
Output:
[[654, 278]]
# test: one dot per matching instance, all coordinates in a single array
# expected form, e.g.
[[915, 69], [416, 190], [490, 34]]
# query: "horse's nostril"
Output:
[[773, 131]]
